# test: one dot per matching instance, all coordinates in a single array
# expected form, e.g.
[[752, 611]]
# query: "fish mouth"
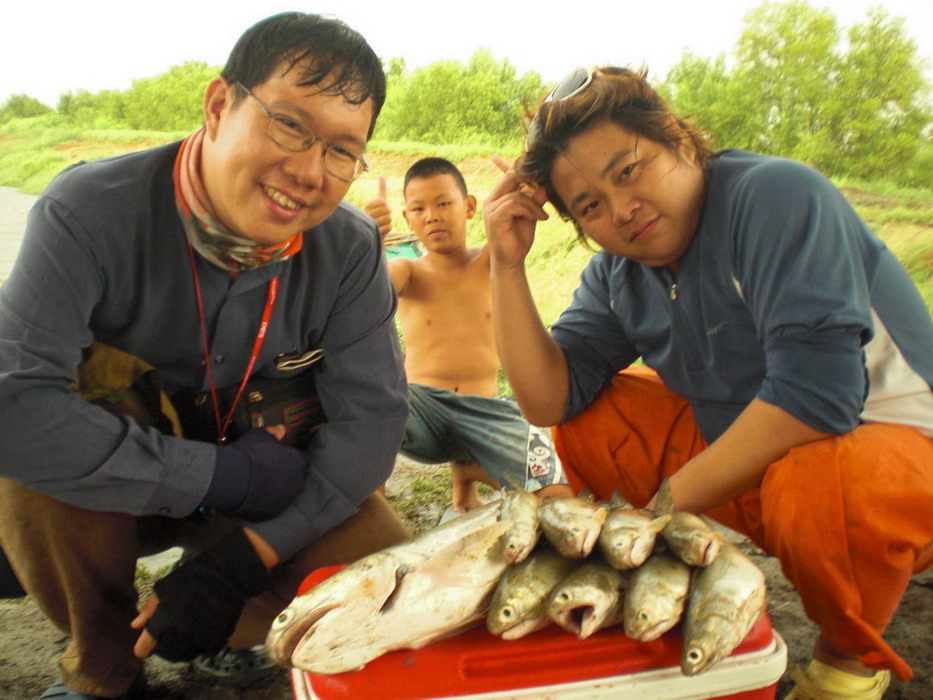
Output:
[[520, 629], [581, 620], [706, 550], [284, 647], [648, 631]]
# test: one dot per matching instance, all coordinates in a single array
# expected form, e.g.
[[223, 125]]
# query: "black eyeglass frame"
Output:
[[361, 165]]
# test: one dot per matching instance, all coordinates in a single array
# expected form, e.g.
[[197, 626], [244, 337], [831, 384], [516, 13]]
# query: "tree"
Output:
[[796, 90], [702, 90], [171, 101], [447, 102], [22, 106], [881, 98], [786, 68]]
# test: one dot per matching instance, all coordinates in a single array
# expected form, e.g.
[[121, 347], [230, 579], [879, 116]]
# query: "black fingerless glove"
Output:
[[201, 601], [256, 477]]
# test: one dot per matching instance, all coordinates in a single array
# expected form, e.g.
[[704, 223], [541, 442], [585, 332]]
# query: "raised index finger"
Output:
[[381, 192], [500, 162]]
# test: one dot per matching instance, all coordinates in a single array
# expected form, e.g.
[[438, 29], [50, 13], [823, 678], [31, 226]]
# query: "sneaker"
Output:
[[238, 668], [820, 681]]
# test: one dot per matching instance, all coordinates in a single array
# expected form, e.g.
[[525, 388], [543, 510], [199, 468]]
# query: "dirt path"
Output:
[[29, 644]]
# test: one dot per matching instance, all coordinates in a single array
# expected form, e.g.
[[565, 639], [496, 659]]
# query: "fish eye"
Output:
[[282, 618], [507, 613]]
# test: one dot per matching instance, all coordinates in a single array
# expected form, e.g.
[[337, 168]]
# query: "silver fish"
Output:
[[588, 599], [572, 525], [627, 537], [519, 605], [656, 597], [402, 597], [521, 507], [726, 599], [687, 535]]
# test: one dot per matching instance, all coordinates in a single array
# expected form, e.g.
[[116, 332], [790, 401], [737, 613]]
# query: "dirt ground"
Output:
[[29, 644]]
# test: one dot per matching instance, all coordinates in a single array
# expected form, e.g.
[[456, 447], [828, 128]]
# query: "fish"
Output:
[[401, 597], [627, 538], [588, 599], [687, 535], [519, 604], [656, 596], [726, 599], [572, 525], [521, 507]]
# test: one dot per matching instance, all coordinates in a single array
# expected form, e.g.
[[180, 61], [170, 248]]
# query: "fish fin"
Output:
[[586, 495], [664, 503], [659, 522], [619, 501], [449, 567]]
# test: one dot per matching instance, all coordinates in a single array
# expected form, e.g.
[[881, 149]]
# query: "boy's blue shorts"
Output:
[[444, 426]]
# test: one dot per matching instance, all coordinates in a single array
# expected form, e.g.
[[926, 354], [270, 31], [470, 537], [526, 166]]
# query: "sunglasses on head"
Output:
[[573, 84]]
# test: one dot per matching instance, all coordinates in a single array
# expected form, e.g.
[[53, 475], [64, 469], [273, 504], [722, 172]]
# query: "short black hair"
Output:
[[322, 48], [429, 167]]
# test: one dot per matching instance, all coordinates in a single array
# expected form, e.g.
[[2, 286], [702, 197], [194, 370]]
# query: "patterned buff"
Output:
[[205, 232]]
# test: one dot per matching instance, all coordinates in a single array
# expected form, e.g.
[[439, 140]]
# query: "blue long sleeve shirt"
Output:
[[784, 294], [105, 258]]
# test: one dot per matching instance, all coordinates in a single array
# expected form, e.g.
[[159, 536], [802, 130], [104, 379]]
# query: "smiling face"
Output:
[[437, 211], [633, 196], [259, 189]]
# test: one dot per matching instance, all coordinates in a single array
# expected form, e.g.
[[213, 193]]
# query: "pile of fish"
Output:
[[598, 565]]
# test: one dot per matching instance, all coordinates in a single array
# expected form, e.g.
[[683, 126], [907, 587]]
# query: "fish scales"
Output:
[[726, 599], [519, 604], [400, 597], [656, 597], [521, 507], [628, 536], [572, 525]]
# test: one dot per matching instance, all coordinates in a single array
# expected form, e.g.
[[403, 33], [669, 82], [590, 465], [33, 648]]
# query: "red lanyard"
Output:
[[271, 296]]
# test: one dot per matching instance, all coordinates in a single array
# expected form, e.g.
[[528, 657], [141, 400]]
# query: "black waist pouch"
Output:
[[291, 401]]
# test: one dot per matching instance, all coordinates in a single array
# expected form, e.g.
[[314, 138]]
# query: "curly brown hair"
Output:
[[617, 94]]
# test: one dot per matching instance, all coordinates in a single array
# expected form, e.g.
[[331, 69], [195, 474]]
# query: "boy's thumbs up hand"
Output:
[[378, 208]]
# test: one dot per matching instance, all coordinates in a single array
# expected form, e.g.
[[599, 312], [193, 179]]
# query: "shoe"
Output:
[[820, 681], [238, 668]]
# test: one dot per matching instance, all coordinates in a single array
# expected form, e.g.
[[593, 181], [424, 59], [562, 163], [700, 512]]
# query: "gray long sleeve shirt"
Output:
[[104, 258], [784, 294]]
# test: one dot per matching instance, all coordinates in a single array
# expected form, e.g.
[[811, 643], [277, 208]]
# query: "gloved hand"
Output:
[[201, 601], [256, 477]]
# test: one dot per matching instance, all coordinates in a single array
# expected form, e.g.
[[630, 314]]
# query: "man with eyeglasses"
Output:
[[226, 270]]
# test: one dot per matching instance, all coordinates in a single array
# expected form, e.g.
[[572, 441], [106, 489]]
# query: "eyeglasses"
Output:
[[294, 136], [573, 84]]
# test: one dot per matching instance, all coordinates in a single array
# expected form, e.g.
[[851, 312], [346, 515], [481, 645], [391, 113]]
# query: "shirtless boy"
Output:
[[445, 310]]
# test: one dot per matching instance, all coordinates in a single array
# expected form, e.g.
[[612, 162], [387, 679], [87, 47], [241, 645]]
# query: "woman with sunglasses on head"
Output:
[[787, 392]]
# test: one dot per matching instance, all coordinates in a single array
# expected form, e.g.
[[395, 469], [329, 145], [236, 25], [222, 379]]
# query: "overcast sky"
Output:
[[48, 48]]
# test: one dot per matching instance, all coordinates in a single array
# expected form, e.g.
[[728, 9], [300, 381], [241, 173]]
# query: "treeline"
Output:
[[852, 103]]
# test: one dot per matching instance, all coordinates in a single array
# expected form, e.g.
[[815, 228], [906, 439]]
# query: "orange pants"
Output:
[[849, 517]]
